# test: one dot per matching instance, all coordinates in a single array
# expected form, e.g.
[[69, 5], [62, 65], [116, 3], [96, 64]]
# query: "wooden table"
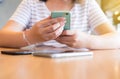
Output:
[[104, 64]]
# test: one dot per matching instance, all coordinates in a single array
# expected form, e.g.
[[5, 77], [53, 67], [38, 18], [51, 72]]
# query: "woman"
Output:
[[31, 24]]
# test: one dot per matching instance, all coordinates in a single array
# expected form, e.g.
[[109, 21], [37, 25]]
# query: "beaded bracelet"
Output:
[[25, 38]]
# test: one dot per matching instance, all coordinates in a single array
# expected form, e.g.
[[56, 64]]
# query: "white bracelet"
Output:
[[25, 38]]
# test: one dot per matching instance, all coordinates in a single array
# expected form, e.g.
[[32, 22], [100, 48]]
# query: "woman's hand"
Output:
[[45, 30], [74, 39]]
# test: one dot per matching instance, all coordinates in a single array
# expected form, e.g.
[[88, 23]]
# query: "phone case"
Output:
[[16, 52], [63, 14]]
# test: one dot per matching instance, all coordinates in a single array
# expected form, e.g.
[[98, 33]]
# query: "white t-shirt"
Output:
[[84, 17]]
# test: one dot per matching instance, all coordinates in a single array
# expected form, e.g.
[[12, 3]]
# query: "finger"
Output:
[[60, 20], [55, 27], [48, 22], [52, 28], [49, 17], [56, 33], [63, 41], [43, 22], [66, 42], [68, 32]]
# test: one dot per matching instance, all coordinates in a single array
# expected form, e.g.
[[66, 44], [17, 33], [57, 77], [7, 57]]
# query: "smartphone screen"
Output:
[[56, 14]]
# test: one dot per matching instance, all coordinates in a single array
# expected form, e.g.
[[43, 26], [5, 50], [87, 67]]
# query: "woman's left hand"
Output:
[[74, 38]]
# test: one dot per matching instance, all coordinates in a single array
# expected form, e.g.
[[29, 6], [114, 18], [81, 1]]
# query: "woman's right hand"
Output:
[[45, 30]]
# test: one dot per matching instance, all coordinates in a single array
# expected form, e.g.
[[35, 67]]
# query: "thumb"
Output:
[[68, 32]]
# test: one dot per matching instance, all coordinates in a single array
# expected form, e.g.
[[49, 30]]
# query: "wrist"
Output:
[[94, 42], [28, 37], [25, 38], [88, 42], [85, 40]]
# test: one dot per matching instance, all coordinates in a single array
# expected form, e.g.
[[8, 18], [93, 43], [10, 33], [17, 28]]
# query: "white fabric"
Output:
[[84, 17]]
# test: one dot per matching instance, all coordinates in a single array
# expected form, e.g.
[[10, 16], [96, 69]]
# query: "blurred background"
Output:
[[7, 7], [112, 10], [110, 7]]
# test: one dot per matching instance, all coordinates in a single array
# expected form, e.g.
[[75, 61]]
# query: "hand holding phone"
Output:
[[56, 14]]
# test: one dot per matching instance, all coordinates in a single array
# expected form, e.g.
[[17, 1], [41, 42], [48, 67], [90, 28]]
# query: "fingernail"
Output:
[[62, 23], [63, 18]]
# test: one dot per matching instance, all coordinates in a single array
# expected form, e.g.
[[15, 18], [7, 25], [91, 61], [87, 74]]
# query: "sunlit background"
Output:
[[110, 7], [112, 11]]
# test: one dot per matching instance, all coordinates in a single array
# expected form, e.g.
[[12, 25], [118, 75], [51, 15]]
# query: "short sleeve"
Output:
[[96, 16], [23, 13]]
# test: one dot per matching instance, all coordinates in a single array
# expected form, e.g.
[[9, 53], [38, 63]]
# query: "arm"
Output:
[[11, 35], [12, 31], [108, 38], [45, 30]]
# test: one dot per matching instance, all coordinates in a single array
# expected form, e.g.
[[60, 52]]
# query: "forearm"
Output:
[[106, 41], [12, 39]]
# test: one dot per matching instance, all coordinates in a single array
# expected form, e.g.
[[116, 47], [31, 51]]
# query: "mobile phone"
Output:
[[65, 14], [16, 52]]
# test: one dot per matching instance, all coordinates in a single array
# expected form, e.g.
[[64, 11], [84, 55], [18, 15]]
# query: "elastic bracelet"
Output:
[[25, 38]]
